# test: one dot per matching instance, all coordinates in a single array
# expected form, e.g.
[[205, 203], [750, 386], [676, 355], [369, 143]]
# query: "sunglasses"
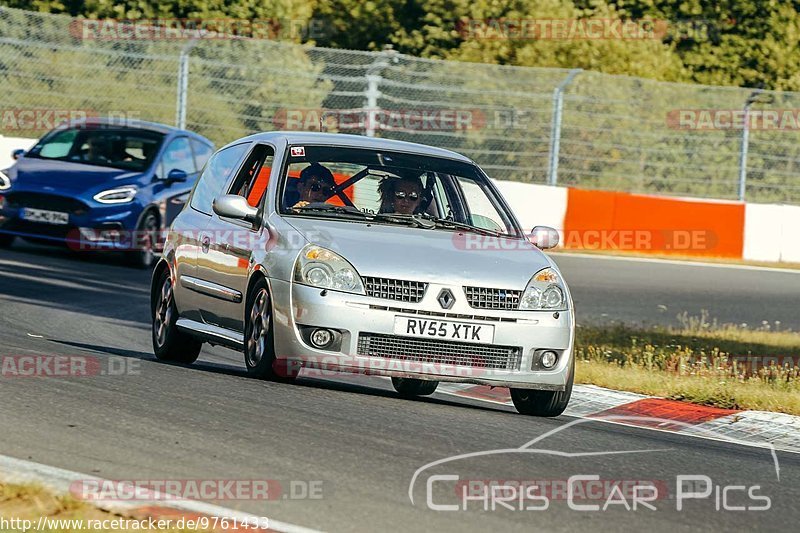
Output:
[[316, 187], [401, 195]]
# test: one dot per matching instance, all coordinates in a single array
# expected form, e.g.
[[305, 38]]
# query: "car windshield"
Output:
[[392, 188], [124, 148]]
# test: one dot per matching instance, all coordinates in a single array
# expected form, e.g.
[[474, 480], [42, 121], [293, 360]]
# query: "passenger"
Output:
[[400, 195], [315, 185]]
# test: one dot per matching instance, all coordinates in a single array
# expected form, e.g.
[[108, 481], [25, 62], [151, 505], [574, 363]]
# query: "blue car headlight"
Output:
[[121, 195], [5, 181]]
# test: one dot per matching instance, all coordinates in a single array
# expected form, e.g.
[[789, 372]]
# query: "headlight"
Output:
[[545, 291], [5, 182], [319, 267], [123, 195]]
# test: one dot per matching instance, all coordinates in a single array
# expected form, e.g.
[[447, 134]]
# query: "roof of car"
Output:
[[130, 123], [357, 141]]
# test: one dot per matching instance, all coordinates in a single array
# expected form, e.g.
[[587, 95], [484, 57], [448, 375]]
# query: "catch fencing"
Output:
[[538, 125]]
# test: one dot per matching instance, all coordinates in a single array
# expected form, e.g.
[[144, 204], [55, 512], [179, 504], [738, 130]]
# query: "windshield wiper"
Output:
[[447, 223], [333, 209], [411, 220]]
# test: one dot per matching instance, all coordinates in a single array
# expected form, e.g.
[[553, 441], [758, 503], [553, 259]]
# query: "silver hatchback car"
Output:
[[335, 253]]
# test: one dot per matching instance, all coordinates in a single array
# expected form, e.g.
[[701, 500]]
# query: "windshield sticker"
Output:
[[298, 151]]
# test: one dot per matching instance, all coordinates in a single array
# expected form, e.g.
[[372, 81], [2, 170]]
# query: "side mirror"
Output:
[[544, 237], [16, 154], [236, 207], [177, 176]]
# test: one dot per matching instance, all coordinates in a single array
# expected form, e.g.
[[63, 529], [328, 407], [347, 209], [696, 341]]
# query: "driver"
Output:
[[315, 185]]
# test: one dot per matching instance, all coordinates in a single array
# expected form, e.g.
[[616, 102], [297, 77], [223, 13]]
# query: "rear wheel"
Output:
[[543, 402], [170, 344], [410, 387], [143, 253], [259, 344], [6, 240]]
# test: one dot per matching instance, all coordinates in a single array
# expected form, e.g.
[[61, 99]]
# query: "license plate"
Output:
[[443, 329], [48, 217]]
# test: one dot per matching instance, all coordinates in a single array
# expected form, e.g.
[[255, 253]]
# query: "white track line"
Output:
[[14, 470], [675, 262]]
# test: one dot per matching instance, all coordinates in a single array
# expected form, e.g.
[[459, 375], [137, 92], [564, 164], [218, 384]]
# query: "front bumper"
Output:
[[357, 316], [88, 231]]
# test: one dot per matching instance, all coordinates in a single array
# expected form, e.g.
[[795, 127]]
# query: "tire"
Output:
[[542, 402], [145, 256], [259, 338], [6, 240], [410, 387], [170, 344]]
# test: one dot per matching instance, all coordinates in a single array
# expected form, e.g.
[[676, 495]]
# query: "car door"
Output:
[[227, 263], [189, 230]]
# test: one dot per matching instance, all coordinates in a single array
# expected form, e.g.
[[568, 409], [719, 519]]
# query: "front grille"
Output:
[[489, 356], [28, 228], [48, 202], [408, 311], [499, 299], [395, 289]]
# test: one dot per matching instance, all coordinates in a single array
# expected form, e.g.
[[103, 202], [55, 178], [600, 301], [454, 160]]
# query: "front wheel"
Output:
[[410, 387], [170, 344], [259, 344], [543, 402], [6, 240]]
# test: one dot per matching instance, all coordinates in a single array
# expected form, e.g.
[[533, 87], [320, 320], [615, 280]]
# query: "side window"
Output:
[[215, 176], [179, 156], [202, 152], [252, 181], [482, 212]]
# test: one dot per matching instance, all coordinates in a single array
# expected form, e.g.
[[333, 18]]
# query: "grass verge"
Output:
[[706, 363], [63, 514]]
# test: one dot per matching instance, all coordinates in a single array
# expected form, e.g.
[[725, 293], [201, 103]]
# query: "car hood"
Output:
[[436, 256], [32, 174]]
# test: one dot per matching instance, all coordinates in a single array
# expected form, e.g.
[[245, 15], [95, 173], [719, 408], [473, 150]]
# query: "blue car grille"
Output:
[[49, 202]]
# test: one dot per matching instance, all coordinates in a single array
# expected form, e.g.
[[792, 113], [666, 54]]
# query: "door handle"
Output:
[[206, 243]]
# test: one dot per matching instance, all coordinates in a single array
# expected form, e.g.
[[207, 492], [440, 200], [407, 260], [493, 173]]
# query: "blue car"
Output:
[[101, 184]]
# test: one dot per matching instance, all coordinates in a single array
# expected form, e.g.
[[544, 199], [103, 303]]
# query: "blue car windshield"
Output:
[[123, 148]]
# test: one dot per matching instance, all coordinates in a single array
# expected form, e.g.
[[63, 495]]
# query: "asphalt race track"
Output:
[[353, 439]]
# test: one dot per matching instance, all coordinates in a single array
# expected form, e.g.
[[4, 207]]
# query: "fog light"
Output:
[[549, 359], [321, 338]]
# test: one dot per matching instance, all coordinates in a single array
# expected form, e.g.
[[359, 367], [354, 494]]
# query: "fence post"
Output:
[[183, 84], [373, 92], [746, 143], [555, 126]]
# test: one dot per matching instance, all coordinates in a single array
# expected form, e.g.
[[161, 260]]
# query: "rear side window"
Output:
[[178, 155], [202, 152], [253, 179], [215, 176]]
